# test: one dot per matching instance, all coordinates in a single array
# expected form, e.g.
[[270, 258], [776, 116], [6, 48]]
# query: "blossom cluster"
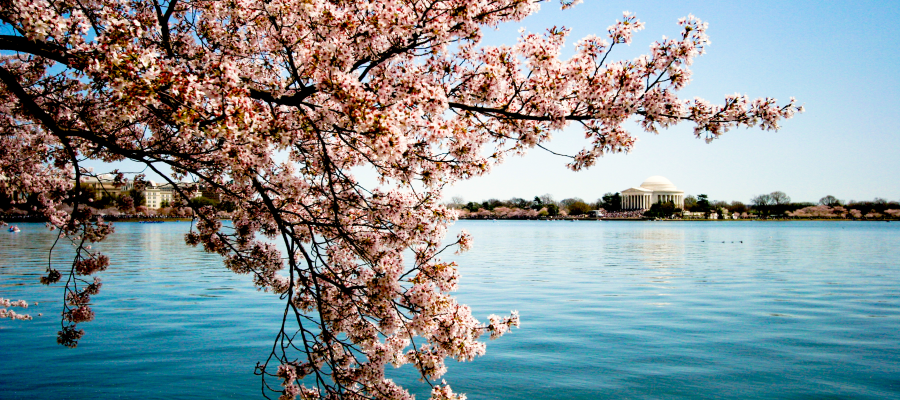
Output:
[[11, 314]]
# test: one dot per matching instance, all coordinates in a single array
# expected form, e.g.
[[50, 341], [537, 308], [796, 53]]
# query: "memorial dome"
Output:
[[658, 183]]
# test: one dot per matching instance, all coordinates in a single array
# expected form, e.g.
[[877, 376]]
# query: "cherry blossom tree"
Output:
[[273, 104]]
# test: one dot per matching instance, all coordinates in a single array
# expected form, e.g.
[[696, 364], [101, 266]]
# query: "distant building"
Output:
[[105, 185], [157, 195], [655, 189]]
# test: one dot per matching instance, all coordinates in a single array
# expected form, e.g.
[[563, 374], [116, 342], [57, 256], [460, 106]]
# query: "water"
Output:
[[636, 310]]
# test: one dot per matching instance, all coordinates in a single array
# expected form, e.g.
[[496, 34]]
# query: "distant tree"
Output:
[[781, 202], [472, 206], [662, 210], [537, 203], [690, 202], [703, 205], [138, 196], [819, 211], [201, 201], [552, 209], [518, 202], [547, 199], [780, 198], [106, 201], [565, 203], [737, 207], [719, 204], [762, 204], [491, 204], [457, 202], [611, 202], [578, 208], [830, 201]]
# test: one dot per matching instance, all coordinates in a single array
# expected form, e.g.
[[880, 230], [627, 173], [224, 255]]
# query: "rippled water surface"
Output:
[[633, 310]]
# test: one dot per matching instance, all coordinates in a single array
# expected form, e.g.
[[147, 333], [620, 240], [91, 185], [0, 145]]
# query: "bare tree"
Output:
[[763, 203], [457, 202], [830, 201], [547, 199], [779, 198]]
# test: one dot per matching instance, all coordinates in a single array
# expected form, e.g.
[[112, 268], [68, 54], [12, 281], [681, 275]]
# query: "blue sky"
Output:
[[839, 59]]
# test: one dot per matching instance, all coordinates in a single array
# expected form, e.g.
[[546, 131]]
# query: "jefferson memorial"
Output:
[[655, 189]]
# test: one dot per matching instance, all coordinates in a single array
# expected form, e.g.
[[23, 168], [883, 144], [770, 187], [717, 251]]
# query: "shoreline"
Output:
[[681, 219]]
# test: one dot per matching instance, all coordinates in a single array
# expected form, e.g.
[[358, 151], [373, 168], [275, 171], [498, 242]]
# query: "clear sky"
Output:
[[839, 59]]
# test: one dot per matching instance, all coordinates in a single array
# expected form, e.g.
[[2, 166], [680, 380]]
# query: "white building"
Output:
[[157, 195], [655, 189], [105, 185]]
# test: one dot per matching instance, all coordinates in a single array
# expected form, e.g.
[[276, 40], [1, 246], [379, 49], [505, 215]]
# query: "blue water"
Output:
[[633, 310]]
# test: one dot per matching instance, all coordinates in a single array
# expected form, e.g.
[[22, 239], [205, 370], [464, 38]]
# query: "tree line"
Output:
[[540, 206], [776, 204], [132, 202]]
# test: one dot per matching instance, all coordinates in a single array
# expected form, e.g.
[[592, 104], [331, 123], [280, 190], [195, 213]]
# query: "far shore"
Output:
[[17, 218], [677, 219]]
